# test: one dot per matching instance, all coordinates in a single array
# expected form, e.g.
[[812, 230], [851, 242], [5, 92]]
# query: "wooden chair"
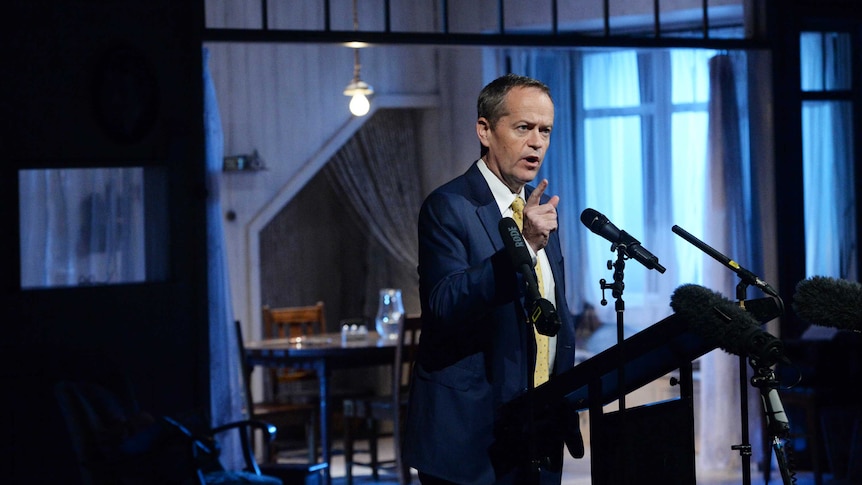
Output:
[[282, 414], [296, 321], [293, 322], [390, 407]]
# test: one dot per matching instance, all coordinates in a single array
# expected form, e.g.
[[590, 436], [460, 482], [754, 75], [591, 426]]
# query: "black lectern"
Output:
[[654, 442]]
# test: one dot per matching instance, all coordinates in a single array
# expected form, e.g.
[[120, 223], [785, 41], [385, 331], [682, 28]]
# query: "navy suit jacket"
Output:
[[476, 347]]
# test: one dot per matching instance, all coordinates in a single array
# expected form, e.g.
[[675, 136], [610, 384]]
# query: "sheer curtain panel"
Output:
[[377, 172], [225, 380]]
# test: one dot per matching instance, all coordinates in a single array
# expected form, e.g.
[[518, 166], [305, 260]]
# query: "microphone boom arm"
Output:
[[747, 276]]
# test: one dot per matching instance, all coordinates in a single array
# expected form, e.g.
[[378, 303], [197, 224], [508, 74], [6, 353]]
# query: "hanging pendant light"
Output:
[[358, 90]]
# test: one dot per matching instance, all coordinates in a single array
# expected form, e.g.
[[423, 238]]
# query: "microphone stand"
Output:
[[744, 447], [617, 288]]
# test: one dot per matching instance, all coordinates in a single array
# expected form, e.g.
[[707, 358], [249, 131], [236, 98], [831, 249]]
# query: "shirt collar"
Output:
[[502, 195]]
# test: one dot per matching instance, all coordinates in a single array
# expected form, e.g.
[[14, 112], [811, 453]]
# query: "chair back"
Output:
[[405, 353], [405, 356], [298, 321], [391, 407]]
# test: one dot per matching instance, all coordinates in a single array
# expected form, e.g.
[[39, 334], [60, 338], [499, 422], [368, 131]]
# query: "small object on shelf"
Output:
[[244, 163]]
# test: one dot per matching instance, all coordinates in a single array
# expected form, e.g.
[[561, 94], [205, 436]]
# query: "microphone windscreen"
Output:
[[830, 302], [723, 322]]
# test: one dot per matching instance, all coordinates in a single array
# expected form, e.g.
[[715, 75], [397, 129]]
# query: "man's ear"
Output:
[[482, 130]]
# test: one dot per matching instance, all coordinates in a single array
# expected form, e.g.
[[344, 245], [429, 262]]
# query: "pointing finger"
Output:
[[536, 195]]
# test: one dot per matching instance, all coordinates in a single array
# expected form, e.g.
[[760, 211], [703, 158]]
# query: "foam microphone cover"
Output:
[[830, 302], [723, 322]]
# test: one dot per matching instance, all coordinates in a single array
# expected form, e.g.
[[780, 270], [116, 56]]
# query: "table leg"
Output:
[[325, 443]]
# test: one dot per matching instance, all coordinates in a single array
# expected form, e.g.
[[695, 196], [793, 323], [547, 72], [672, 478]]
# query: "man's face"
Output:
[[517, 143]]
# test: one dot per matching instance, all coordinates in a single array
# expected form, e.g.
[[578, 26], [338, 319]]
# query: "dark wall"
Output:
[[101, 83]]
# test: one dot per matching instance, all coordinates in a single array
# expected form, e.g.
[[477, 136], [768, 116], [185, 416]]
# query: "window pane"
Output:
[[644, 167], [619, 90], [614, 183], [825, 61], [87, 226], [830, 215]]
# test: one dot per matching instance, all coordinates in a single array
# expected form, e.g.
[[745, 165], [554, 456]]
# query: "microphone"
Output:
[[540, 311], [724, 323], [599, 224], [830, 302], [746, 275]]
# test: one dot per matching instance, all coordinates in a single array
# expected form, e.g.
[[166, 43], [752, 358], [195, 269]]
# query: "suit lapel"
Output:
[[486, 207]]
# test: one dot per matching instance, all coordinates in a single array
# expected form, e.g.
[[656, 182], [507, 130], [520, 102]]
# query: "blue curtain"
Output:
[[827, 151], [225, 378], [830, 231], [731, 228]]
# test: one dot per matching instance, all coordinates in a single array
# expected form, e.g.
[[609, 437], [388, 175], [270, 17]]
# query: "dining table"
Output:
[[323, 353]]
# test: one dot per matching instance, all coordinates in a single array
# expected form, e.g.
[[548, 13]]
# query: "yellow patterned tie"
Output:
[[542, 371]]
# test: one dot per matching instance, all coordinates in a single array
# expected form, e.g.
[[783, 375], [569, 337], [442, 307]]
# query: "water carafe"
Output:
[[390, 312]]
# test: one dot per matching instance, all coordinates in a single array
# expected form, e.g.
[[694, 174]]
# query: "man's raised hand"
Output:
[[540, 219]]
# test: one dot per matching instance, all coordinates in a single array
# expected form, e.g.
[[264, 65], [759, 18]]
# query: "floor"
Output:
[[575, 472]]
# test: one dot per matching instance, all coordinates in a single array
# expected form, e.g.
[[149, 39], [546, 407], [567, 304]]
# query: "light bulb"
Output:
[[359, 105]]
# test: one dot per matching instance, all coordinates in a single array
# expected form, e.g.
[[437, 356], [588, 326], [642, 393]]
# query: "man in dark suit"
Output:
[[477, 350]]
